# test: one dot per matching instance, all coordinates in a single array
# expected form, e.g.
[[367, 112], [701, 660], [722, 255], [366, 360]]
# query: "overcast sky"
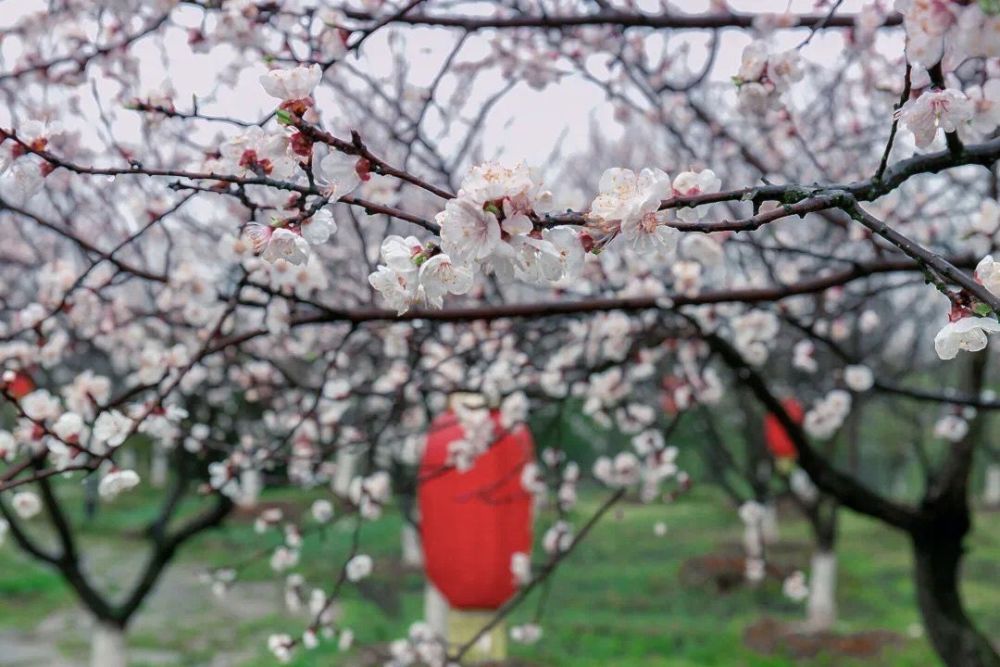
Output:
[[523, 126]]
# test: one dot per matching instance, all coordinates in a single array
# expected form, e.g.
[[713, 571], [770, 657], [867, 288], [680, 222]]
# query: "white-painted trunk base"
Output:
[[769, 524], [107, 646], [127, 459], [413, 552], [347, 461], [822, 605], [753, 541], [158, 468], [436, 611], [991, 492], [251, 484]]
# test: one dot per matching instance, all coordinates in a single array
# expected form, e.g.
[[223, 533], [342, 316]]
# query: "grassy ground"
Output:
[[618, 601]]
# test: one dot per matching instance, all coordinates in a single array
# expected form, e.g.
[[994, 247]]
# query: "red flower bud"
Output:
[[364, 169]]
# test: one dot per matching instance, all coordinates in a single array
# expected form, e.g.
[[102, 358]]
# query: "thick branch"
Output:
[[845, 488], [713, 21]]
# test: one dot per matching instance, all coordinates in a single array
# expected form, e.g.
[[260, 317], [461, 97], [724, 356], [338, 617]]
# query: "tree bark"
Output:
[[107, 646], [938, 556]]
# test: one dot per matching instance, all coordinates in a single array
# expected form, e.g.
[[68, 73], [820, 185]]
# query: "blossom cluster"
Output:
[[967, 328], [937, 29], [764, 76], [628, 210], [22, 172], [827, 415], [973, 113]]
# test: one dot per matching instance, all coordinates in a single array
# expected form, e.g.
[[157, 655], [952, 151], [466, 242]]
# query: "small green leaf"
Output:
[[283, 116], [982, 309]]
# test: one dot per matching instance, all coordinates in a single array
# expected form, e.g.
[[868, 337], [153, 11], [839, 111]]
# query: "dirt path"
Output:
[[181, 612]]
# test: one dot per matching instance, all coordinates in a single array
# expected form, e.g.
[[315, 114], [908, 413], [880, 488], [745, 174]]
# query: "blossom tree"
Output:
[[274, 237]]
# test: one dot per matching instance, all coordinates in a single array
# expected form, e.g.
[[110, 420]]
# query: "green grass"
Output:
[[618, 600]]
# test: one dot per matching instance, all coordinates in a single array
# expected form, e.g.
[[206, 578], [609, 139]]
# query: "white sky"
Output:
[[523, 126]]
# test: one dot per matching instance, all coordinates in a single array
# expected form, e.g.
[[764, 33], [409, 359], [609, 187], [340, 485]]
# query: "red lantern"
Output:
[[472, 522], [779, 443], [21, 385]]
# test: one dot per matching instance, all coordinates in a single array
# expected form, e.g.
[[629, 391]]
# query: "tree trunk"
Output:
[[158, 468], [413, 553], [991, 491], [769, 530], [347, 462], [436, 610], [822, 605], [821, 609], [251, 484], [107, 646], [938, 556]]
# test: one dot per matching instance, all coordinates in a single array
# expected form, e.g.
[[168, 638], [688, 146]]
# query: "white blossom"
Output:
[[280, 645], [633, 201], [319, 227], [568, 249], [40, 405], [439, 276], [116, 481], [257, 152], [762, 76], [988, 274], [339, 173], [26, 504], [322, 510], [370, 494], [558, 538], [22, 180], [803, 356], [951, 427], [291, 84], [358, 567], [859, 378], [468, 233], [692, 184], [513, 410], [287, 245], [827, 415], [985, 101], [967, 333], [111, 428], [935, 109], [527, 633], [520, 568], [284, 558]]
